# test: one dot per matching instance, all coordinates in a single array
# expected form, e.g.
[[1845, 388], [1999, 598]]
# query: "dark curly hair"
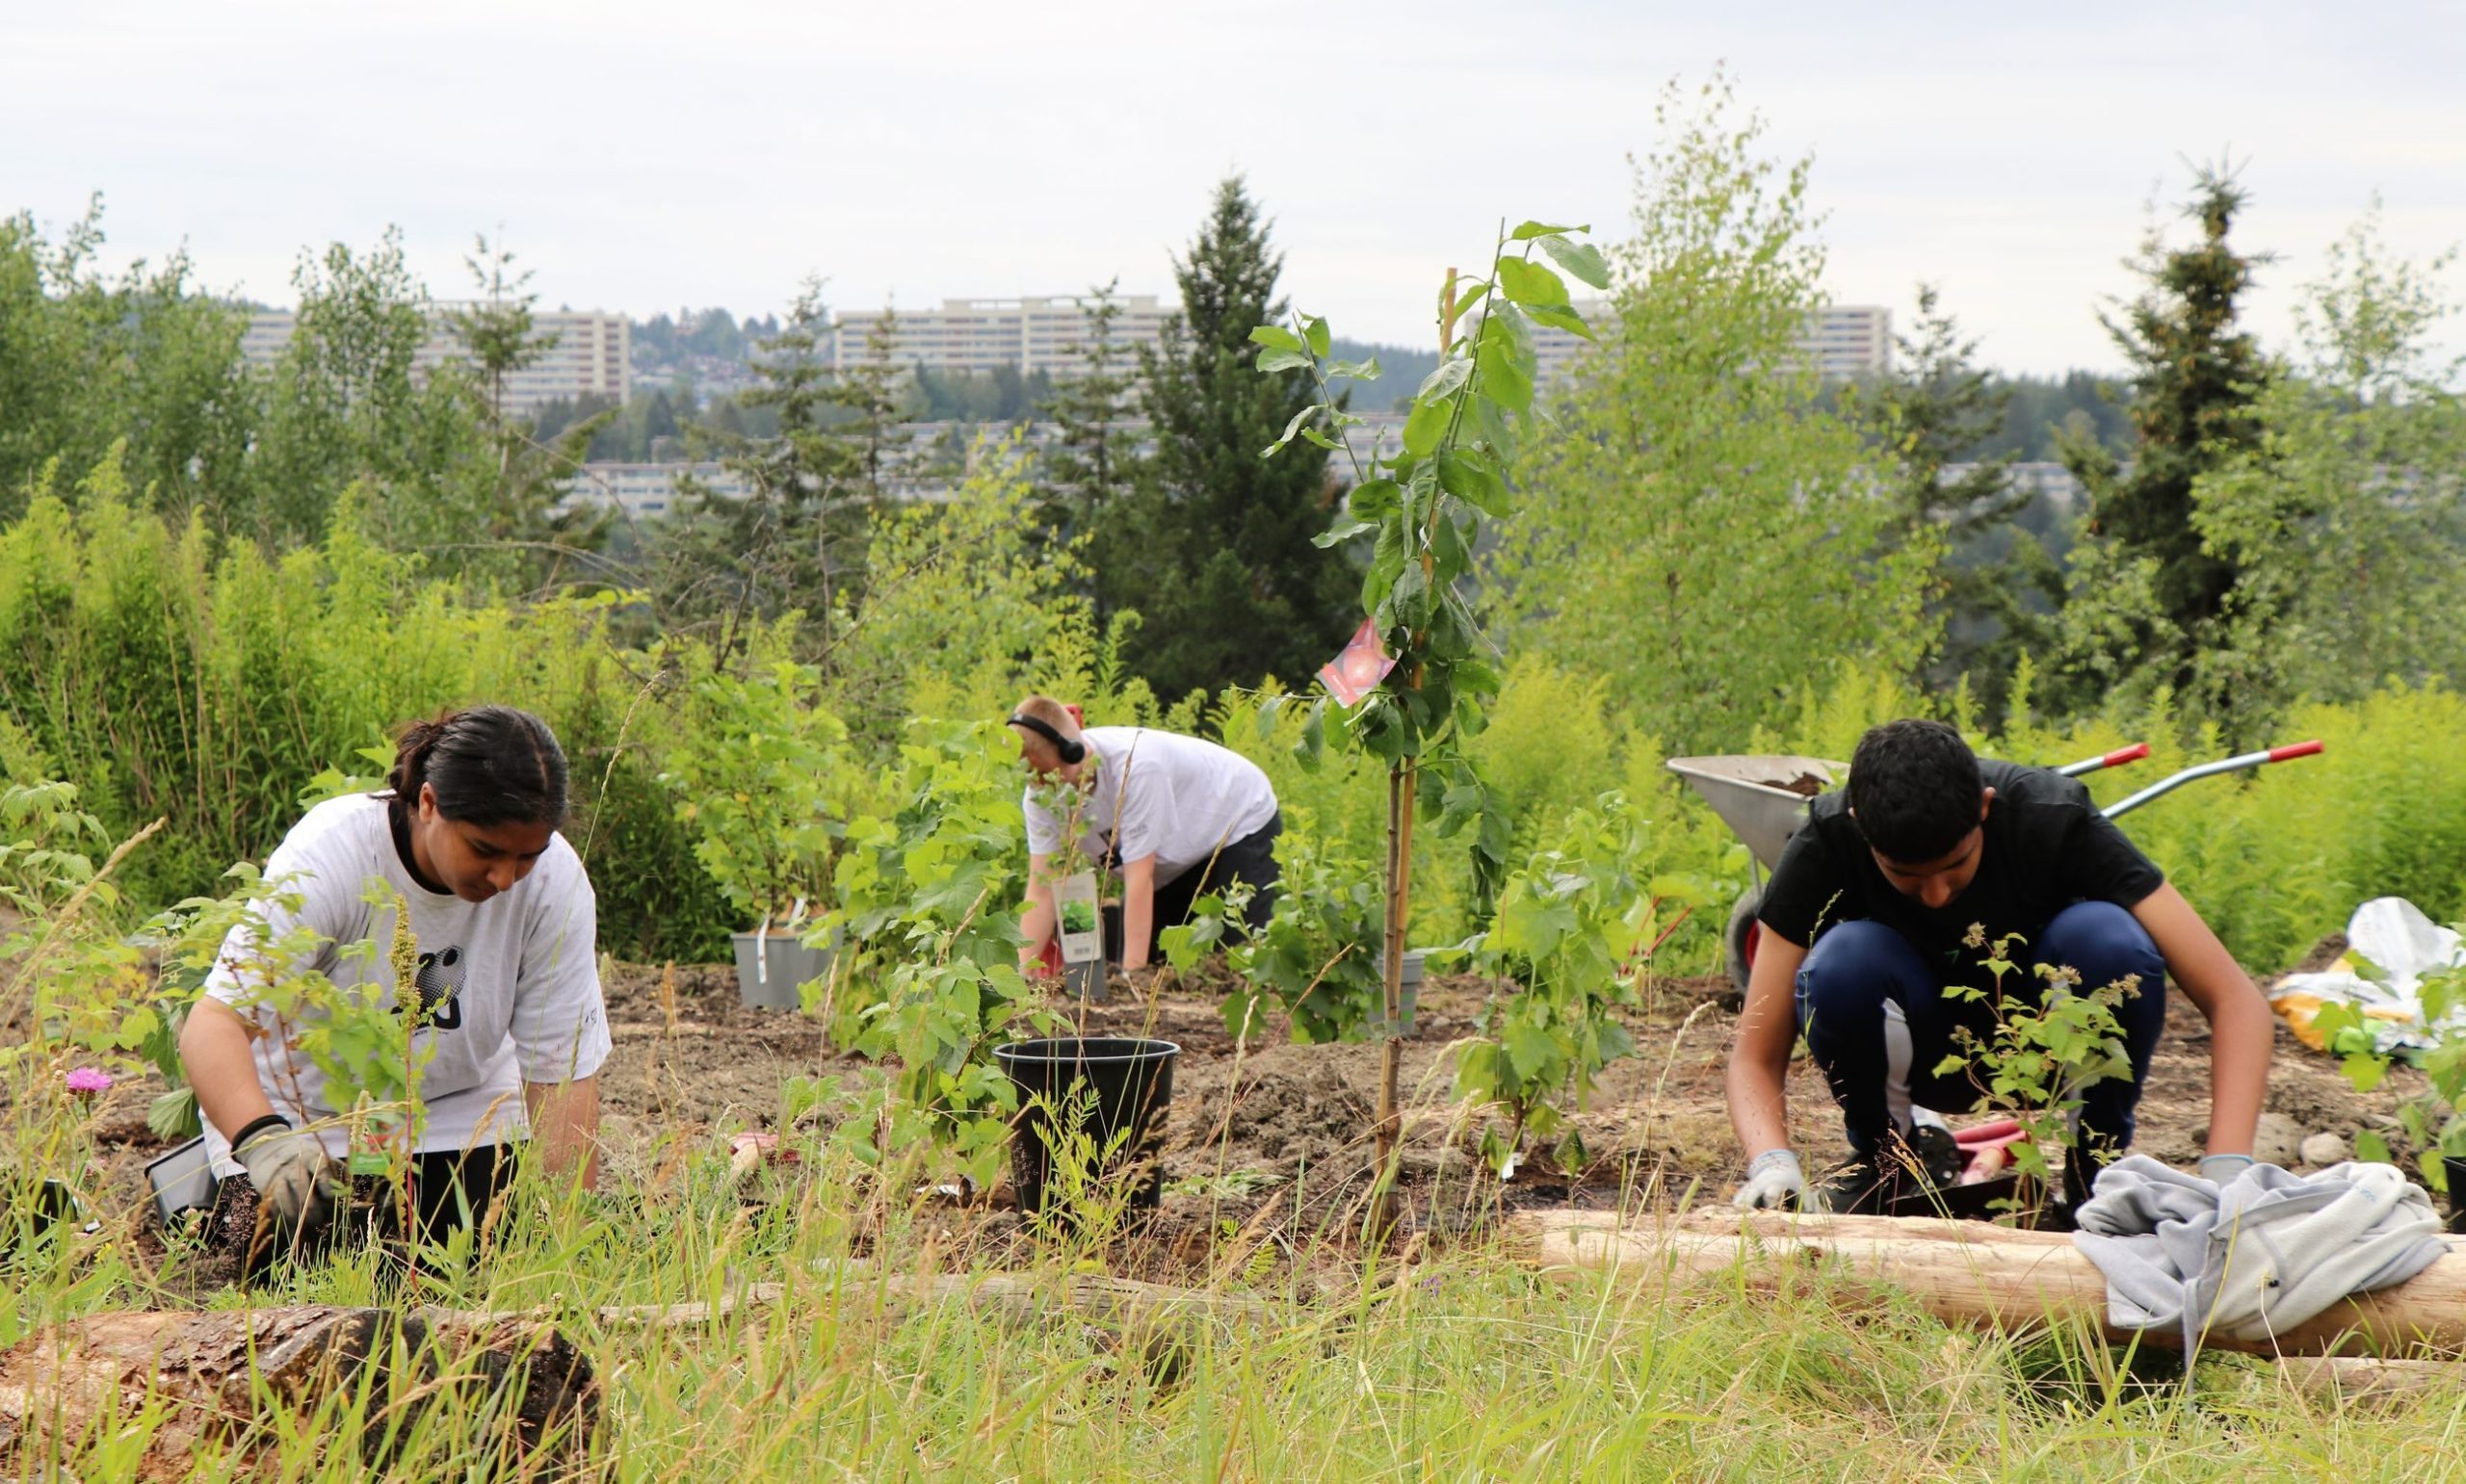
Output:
[[1915, 790], [489, 764]]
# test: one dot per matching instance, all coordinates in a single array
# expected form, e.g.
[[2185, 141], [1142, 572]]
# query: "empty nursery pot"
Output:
[[1121, 1083], [2455, 1168]]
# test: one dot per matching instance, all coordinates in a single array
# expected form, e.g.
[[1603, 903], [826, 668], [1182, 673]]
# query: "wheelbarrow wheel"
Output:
[[1739, 944]]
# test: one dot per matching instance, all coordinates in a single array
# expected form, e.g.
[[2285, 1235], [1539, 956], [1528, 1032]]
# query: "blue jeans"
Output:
[[1859, 969]]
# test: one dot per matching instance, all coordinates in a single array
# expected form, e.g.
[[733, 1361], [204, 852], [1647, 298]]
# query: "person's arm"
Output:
[[1137, 910], [564, 1127], [2241, 1029], [1759, 1065], [222, 1067], [1036, 925]]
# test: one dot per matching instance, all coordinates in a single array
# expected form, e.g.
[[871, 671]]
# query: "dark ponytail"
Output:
[[490, 764]]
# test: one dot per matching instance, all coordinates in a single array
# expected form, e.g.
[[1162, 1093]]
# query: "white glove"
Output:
[[2219, 1170], [294, 1179], [1773, 1182]]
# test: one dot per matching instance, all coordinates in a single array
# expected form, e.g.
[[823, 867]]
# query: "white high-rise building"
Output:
[[591, 354], [1844, 340], [984, 334]]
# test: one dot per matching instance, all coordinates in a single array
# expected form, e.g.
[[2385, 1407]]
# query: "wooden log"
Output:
[[2351, 1378], [1964, 1272], [209, 1378]]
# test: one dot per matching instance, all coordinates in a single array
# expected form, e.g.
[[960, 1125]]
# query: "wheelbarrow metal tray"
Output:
[[1752, 795]]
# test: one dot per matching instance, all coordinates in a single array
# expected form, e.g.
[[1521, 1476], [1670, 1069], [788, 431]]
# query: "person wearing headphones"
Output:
[[1175, 816]]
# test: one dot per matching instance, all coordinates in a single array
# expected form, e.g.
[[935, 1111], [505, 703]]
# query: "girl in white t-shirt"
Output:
[[513, 1029]]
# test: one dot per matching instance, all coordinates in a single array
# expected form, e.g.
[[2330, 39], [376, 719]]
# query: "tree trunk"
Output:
[[1963, 1272], [213, 1378]]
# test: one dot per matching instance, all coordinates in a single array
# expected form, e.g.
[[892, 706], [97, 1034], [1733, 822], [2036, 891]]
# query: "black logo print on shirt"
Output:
[[439, 980]]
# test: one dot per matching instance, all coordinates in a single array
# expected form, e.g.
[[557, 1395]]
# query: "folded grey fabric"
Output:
[[2255, 1257]]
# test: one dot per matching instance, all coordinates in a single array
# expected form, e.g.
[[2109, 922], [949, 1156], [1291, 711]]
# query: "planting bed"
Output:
[[1277, 1136], [1286, 1125]]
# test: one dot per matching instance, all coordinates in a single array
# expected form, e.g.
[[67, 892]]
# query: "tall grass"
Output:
[[1466, 1365]]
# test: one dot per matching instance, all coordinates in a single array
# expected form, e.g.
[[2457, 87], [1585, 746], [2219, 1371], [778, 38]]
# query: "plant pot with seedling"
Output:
[[1080, 916], [760, 786]]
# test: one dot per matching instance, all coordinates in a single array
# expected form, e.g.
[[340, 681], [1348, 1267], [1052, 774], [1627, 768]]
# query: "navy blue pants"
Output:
[[1856, 969]]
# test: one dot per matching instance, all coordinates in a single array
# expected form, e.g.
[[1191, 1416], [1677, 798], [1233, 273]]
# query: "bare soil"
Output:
[[1274, 1132]]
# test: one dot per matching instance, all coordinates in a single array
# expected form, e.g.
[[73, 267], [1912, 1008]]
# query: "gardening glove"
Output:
[[2219, 1170], [296, 1180], [1773, 1182]]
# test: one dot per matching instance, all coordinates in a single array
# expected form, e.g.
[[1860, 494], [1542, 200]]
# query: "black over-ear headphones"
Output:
[[1067, 751]]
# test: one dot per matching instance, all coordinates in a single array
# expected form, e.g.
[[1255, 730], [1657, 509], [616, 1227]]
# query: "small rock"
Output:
[[2322, 1150], [2278, 1140]]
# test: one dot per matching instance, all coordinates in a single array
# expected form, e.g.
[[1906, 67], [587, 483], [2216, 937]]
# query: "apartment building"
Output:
[[591, 354], [643, 491], [1843, 340], [984, 334]]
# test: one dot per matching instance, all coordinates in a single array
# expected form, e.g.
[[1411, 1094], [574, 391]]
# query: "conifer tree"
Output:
[[1213, 546], [2148, 593]]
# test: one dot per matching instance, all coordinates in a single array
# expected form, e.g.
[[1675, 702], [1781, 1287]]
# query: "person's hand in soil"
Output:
[[294, 1179], [1137, 980]]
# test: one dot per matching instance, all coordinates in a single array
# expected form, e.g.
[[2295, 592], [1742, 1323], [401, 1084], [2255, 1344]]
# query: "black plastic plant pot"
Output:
[[1097, 1099], [2455, 1167]]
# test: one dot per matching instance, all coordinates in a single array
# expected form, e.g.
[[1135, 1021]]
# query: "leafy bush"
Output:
[[761, 773], [928, 904], [1574, 925]]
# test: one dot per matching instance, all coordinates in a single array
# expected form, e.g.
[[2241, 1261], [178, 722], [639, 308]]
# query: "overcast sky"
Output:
[[642, 157]]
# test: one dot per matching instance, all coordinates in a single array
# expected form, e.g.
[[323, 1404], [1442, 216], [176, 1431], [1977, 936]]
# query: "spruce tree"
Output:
[[1993, 585], [1092, 459], [2148, 592], [1213, 545]]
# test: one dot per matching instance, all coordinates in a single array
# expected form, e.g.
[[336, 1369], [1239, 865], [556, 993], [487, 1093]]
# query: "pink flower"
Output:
[[86, 1082]]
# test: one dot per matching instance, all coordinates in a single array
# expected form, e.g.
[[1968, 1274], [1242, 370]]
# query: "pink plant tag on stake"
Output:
[[1359, 667]]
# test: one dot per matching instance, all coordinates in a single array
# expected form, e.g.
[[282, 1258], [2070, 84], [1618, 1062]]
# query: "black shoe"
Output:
[[1861, 1187], [1938, 1154]]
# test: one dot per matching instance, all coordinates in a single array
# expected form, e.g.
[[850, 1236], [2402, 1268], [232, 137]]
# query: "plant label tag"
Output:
[[1079, 925]]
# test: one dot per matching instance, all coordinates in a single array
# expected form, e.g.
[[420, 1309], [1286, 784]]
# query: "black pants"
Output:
[[1251, 859], [451, 1190]]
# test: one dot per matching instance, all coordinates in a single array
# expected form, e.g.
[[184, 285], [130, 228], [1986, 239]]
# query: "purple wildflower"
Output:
[[86, 1082]]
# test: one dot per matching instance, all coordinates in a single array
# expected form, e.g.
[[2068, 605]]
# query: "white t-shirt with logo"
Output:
[[510, 985], [1178, 798]]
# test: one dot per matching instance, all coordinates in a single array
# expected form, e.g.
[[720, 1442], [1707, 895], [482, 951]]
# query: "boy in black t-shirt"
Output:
[[1881, 902]]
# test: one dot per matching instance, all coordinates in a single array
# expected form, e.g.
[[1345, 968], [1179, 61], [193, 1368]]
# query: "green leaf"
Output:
[[1276, 337], [1284, 360], [1530, 284], [1532, 229], [1559, 317], [1468, 475], [1375, 499], [1530, 1049], [2371, 1148], [1314, 435], [1354, 371], [1292, 430], [1582, 260], [1502, 381], [1452, 373], [1348, 525], [1315, 329], [1424, 426]]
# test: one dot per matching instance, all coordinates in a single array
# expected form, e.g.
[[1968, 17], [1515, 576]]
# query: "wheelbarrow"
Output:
[[1763, 799]]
